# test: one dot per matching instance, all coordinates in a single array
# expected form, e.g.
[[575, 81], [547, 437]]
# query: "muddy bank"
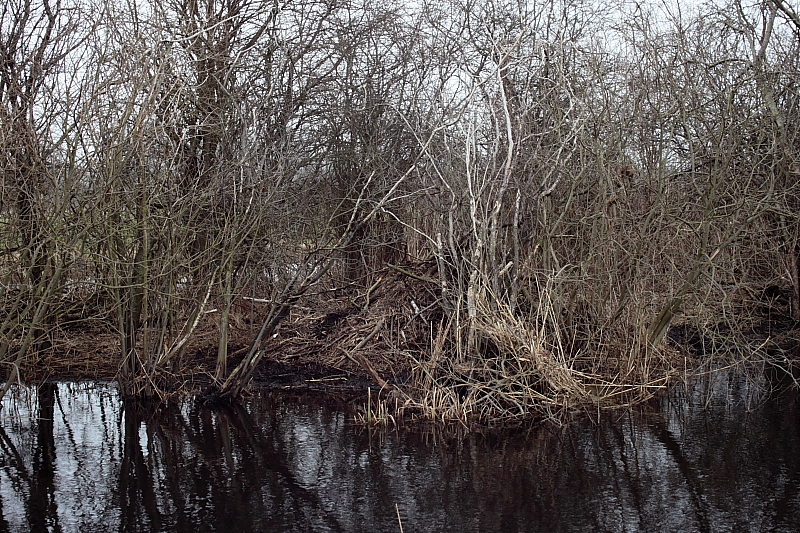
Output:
[[335, 340], [393, 337]]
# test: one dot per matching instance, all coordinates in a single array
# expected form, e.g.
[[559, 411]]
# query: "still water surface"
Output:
[[73, 458]]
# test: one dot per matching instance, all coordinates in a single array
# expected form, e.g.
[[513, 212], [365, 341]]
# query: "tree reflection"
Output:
[[42, 511], [209, 470], [295, 464], [36, 485], [14, 469], [283, 471], [138, 503]]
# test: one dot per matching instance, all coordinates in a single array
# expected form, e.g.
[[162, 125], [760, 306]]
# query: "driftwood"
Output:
[[363, 361]]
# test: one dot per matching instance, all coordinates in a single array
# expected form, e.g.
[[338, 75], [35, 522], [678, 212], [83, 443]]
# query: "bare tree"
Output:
[[40, 112]]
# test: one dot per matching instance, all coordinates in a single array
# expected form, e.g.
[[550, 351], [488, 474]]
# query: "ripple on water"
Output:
[[75, 458]]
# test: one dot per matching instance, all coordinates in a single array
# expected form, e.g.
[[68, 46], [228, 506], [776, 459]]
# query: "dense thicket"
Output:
[[582, 177]]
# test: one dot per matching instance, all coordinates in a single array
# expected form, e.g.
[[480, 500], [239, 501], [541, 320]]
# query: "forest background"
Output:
[[492, 209]]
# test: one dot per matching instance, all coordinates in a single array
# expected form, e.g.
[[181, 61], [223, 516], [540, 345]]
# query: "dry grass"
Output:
[[520, 369]]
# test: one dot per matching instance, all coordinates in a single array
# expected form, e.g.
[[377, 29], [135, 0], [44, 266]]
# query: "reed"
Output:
[[382, 412]]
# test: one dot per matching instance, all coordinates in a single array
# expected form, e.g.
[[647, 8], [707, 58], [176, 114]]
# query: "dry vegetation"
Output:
[[490, 211]]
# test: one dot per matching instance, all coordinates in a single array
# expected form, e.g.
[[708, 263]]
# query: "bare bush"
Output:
[[576, 182]]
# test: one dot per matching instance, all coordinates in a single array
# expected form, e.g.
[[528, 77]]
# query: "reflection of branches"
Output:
[[631, 472], [15, 471], [43, 511], [271, 458], [15, 468], [220, 455], [40, 505], [781, 418], [135, 478], [693, 484]]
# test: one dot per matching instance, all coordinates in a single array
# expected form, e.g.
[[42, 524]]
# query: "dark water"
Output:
[[709, 459]]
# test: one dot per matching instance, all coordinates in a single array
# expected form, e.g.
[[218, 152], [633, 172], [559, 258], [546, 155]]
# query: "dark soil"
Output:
[[320, 347], [317, 347]]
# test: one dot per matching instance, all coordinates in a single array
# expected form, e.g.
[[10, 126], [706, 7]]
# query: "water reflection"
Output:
[[75, 459]]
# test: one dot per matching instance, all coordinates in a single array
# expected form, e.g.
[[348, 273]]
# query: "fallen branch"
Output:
[[412, 275], [361, 360]]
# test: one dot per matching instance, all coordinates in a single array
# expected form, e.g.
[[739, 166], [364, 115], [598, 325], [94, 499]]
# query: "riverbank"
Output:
[[344, 341], [336, 340]]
